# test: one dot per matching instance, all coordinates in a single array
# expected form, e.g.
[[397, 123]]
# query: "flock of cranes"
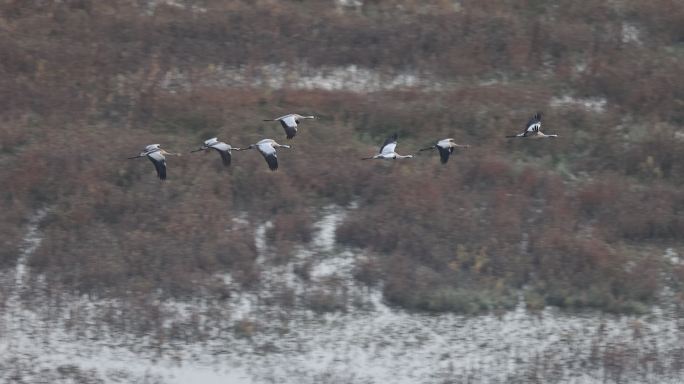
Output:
[[290, 122]]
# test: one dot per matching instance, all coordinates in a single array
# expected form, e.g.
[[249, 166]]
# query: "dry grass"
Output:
[[82, 88]]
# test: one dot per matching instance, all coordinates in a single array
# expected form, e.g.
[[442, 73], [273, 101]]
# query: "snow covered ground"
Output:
[[253, 338], [350, 78]]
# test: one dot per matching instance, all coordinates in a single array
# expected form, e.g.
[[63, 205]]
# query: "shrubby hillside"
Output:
[[581, 221]]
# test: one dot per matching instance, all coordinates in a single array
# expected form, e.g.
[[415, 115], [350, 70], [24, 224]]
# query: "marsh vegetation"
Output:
[[590, 222]]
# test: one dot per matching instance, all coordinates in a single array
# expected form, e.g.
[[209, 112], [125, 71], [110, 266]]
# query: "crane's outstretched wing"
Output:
[[444, 153], [289, 123], [269, 154], [159, 162], [389, 145], [224, 150], [534, 124]]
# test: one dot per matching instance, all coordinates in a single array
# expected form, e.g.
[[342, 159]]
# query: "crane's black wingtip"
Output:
[[272, 162]]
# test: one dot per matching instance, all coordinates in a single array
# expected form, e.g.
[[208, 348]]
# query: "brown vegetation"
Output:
[[82, 87]]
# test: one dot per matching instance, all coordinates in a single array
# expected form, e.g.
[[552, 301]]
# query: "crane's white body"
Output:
[[218, 145], [388, 150], [267, 148], [533, 129], [290, 122], [445, 148], [155, 153], [150, 149], [222, 148], [537, 135]]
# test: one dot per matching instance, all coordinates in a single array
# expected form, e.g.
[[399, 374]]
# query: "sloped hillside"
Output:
[[581, 221]]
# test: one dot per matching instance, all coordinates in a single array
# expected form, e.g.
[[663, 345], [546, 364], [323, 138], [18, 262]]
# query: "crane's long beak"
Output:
[[134, 157], [197, 150]]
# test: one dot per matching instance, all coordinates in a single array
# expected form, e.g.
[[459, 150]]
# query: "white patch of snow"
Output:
[[596, 104], [260, 237], [673, 257], [324, 237], [581, 67], [151, 6], [376, 344], [32, 241], [278, 76], [631, 34], [352, 4]]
